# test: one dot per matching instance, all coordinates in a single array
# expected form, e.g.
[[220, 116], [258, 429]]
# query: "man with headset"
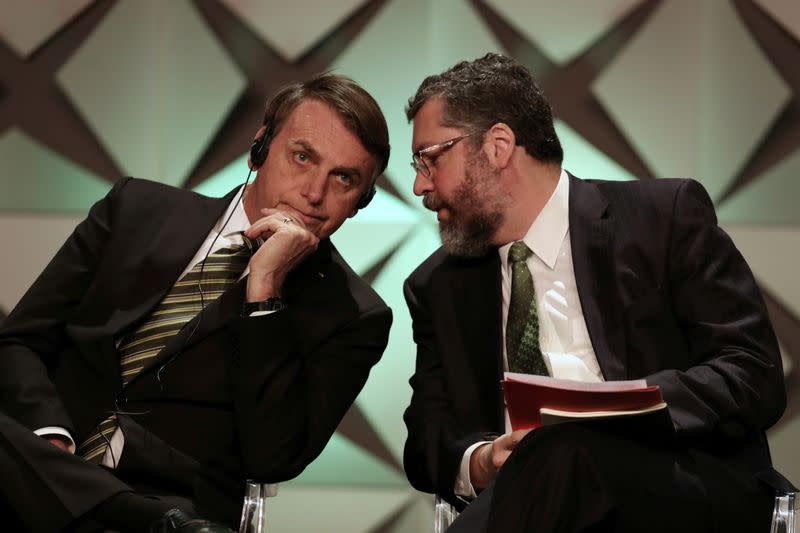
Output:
[[178, 344], [544, 273]]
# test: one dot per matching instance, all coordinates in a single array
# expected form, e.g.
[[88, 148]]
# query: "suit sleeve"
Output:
[[33, 334], [733, 383], [287, 402], [436, 440]]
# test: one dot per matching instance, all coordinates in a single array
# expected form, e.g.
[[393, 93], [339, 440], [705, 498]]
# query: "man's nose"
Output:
[[422, 184], [314, 187]]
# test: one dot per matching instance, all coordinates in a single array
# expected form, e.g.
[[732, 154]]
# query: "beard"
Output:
[[478, 214]]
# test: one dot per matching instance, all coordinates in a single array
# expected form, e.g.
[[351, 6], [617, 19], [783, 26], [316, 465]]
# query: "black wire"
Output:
[[200, 284], [116, 412], [108, 443]]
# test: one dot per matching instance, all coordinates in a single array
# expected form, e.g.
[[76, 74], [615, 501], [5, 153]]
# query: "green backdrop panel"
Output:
[[37, 179]]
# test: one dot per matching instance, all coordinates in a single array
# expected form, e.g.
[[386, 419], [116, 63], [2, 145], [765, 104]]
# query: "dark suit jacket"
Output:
[[238, 398], [666, 296]]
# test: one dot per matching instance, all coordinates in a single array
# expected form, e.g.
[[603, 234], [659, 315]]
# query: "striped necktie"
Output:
[[209, 278], [522, 326]]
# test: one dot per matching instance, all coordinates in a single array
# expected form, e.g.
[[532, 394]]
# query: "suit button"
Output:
[[121, 401]]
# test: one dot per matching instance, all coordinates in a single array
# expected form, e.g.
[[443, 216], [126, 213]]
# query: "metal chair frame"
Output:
[[784, 514], [254, 508]]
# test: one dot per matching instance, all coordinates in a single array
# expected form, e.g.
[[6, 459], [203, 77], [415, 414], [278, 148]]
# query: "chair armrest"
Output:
[[784, 514], [254, 508], [443, 514]]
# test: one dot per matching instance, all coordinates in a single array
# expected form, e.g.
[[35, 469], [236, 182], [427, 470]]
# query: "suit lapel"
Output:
[[591, 227], [476, 300], [158, 254], [168, 252]]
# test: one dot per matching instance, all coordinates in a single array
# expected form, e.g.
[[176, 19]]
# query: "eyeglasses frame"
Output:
[[418, 163]]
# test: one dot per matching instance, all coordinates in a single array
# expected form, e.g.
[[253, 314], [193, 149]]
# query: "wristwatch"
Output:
[[270, 304]]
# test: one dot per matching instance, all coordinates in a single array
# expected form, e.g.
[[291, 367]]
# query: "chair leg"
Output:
[[254, 508], [443, 515], [783, 515]]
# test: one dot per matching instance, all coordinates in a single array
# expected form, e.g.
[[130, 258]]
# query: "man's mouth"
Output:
[[432, 202], [435, 203]]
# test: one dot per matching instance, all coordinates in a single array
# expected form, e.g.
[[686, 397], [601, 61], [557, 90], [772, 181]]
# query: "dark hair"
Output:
[[494, 88], [359, 111]]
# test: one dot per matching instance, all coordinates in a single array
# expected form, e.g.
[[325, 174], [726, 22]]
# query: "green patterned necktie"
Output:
[[212, 276], [522, 327]]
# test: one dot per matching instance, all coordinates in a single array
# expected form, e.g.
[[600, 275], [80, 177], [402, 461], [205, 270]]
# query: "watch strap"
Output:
[[270, 304]]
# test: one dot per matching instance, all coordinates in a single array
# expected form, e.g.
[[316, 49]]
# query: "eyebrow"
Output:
[[420, 146], [348, 171], [305, 145], [424, 146]]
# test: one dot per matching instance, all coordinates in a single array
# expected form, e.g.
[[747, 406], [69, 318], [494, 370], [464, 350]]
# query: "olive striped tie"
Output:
[[212, 276], [522, 326]]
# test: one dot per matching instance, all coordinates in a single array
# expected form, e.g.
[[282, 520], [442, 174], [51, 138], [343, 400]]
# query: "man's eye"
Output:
[[301, 157], [347, 179]]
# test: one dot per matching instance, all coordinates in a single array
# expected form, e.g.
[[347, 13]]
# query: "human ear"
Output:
[[500, 141]]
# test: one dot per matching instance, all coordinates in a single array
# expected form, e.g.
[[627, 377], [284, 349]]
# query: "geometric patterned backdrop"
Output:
[[91, 91]]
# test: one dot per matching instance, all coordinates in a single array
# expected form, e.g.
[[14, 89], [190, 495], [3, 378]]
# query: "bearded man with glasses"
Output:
[[541, 272]]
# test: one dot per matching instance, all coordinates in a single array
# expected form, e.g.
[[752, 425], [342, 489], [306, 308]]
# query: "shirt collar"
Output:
[[238, 218], [548, 230]]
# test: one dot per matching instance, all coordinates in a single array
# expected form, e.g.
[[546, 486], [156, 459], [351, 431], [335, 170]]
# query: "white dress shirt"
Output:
[[226, 235], [563, 337]]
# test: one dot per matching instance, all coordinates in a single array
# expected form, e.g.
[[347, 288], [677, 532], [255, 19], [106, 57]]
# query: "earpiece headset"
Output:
[[260, 149]]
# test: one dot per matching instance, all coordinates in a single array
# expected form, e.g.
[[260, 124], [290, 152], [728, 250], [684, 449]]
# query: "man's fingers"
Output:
[[58, 441], [261, 228], [499, 459], [518, 435], [510, 440], [504, 445], [283, 216], [274, 223]]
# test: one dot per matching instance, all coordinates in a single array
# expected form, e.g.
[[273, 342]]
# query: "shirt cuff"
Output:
[[56, 430], [463, 486], [260, 313]]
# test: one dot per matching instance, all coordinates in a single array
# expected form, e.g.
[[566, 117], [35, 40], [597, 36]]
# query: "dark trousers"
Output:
[[44, 489], [44, 486], [583, 477]]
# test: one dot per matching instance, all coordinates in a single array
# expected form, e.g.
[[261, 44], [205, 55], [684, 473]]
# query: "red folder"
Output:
[[526, 396]]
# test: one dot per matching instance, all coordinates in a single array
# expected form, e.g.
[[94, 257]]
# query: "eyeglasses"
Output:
[[418, 162]]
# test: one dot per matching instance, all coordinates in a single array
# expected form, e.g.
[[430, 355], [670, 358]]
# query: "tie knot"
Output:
[[250, 244], [519, 252]]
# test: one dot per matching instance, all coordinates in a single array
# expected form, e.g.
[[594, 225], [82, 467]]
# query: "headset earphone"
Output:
[[260, 149]]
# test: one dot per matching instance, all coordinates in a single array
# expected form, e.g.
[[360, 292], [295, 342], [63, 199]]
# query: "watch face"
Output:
[[270, 304], [274, 304]]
